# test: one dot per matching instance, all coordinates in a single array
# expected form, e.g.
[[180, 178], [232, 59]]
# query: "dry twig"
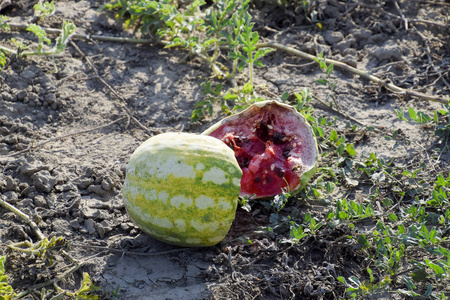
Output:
[[16, 26], [364, 74], [24, 217], [123, 102], [291, 50], [405, 21]]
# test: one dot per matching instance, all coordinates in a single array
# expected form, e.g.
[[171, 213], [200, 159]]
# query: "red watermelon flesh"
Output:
[[274, 147]]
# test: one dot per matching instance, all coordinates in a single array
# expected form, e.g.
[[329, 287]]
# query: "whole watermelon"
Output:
[[182, 188]]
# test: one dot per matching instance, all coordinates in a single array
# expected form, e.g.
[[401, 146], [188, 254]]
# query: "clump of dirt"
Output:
[[66, 134]]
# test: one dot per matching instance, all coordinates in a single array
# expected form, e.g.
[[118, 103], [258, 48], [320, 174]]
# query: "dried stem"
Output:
[[15, 26], [123, 102], [364, 74], [291, 50], [24, 217]]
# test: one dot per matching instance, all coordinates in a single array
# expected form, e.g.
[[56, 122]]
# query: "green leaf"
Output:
[[86, 288], [340, 149], [362, 240], [350, 149], [333, 136], [285, 96], [307, 218], [342, 280], [247, 88], [329, 69], [412, 113], [322, 81], [370, 274], [393, 217], [3, 22], [6, 290], [2, 59], [436, 268], [45, 8], [318, 131], [262, 52], [40, 33], [67, 30]]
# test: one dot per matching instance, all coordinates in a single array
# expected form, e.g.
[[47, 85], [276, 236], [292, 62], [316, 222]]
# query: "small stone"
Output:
[[90, 226], [2, 183], [4, 149], [70, 195], [4, 130], [61, 226], [94, 203], [75, 224], [11, 184], [107, 184], [23, 186], [96, 188], [29, 72], [116, 204], [84, 183], [43, 180], [11, 139], [51, 201], [125, 226], [350, 52], [103, 228], [27, 202], [349, 57], [68, 187], [39, 201], [11, 196], [361, 34], [7, 97], [390, 51], [331, 11], [333, 37], [30, 191], [31, 168], [32, 97], [377, 38], [349, 42], [50, 98], [21, 95], [88, 212]]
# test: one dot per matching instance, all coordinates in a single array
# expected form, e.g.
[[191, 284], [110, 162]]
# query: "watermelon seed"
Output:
[[279, 172], [262, 131], [244, 162]]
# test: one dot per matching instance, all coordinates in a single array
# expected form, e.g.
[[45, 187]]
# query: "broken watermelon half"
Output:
[[274, 146]]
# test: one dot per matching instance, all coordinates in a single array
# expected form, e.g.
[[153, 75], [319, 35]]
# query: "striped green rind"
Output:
[[182, 188]]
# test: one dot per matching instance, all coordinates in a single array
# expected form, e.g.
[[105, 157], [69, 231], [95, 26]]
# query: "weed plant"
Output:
[[41, 47], [224, 27]]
